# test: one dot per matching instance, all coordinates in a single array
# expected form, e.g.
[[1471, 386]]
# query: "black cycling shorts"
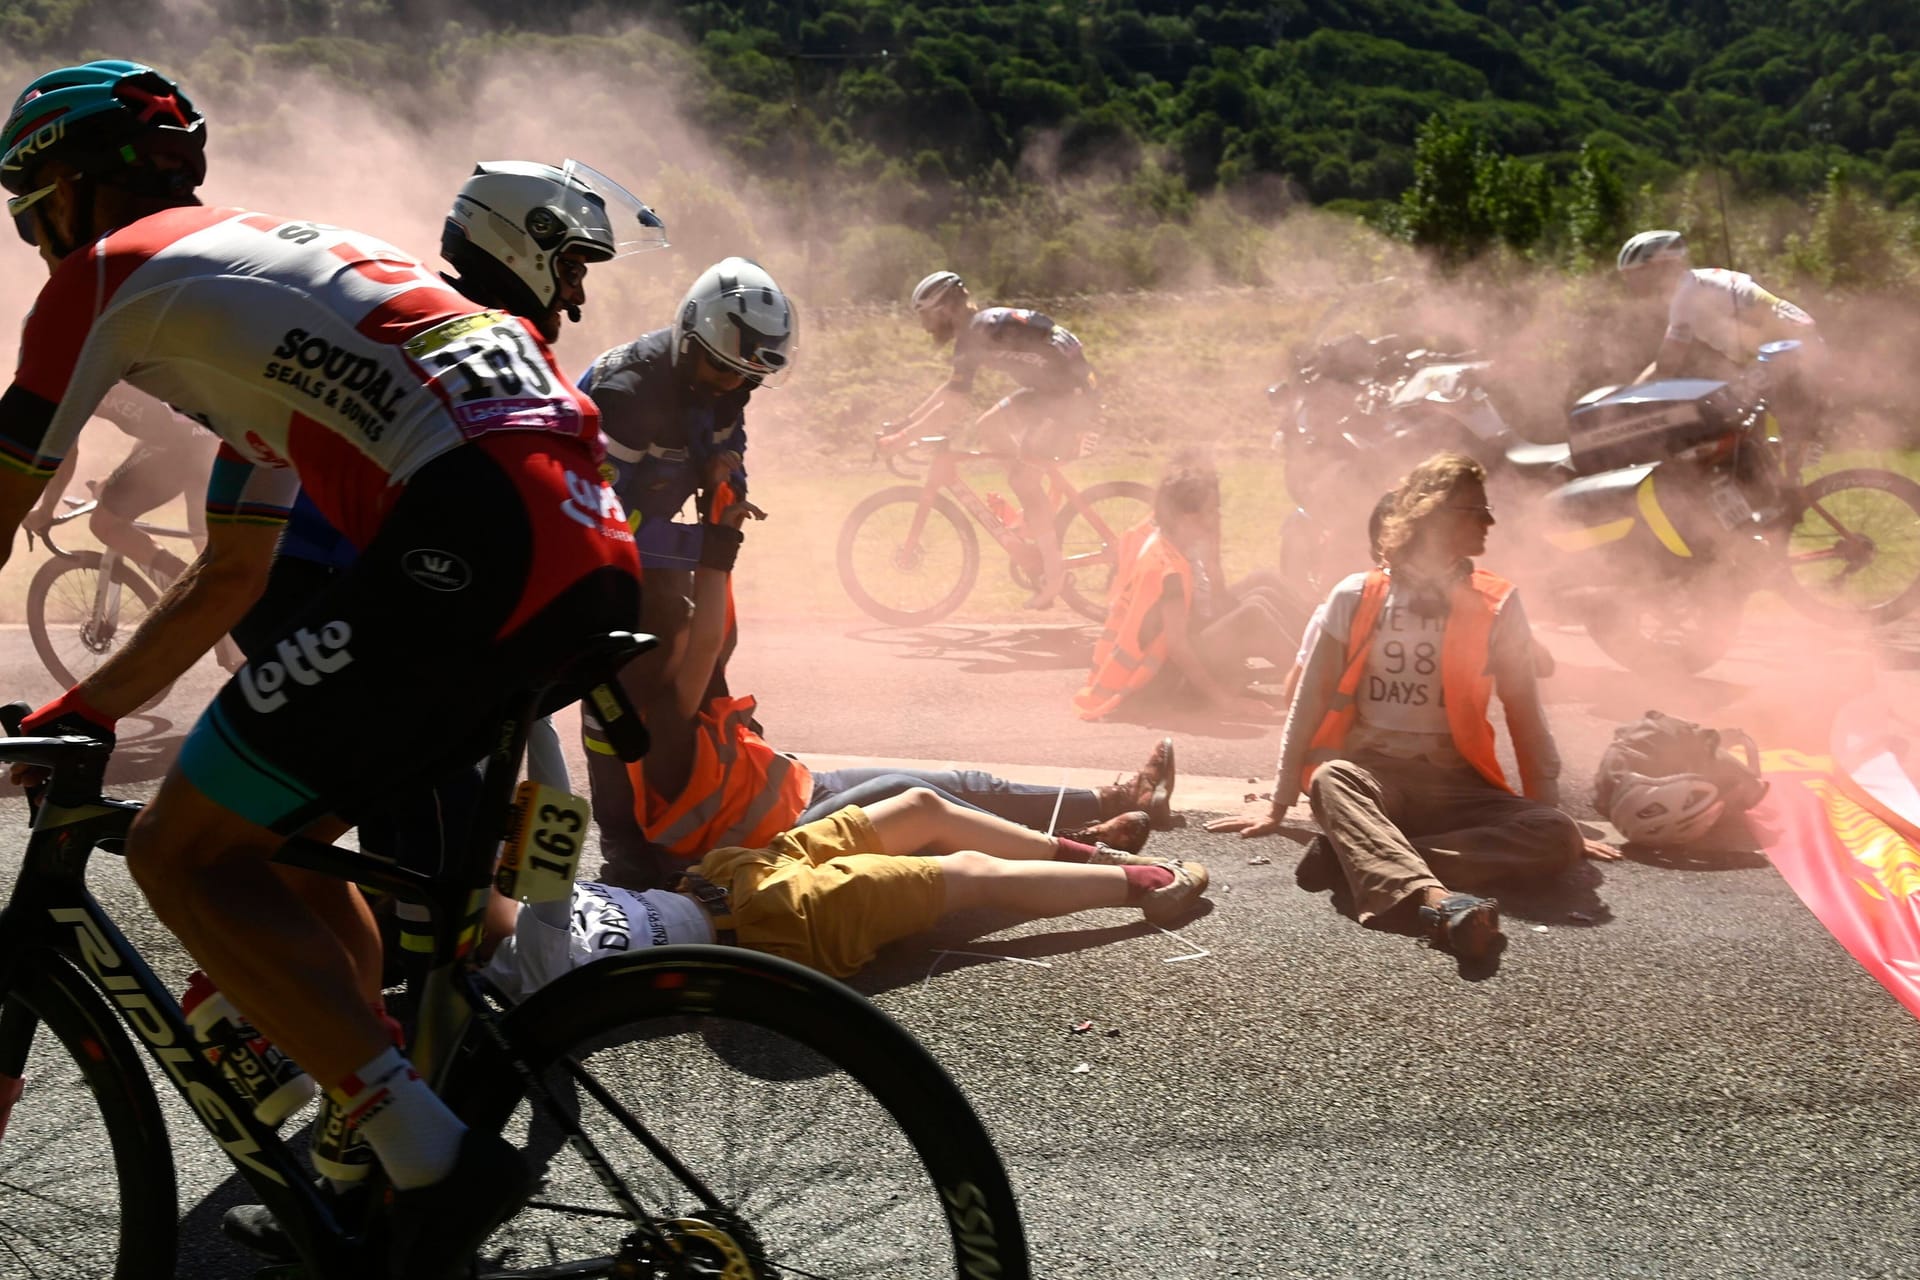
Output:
[[486, 577]]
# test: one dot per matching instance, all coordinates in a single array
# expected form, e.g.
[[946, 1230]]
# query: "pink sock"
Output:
[[1142, 881], [1071, 851]]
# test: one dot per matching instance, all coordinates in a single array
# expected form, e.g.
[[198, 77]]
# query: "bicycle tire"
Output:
[[1904, 529], [661, 1018], [1088, 598], [866, 595], [58, 610], [94, 1065]]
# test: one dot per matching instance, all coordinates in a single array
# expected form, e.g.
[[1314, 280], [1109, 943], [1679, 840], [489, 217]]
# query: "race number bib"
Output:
[[493, 376], [542, 853]]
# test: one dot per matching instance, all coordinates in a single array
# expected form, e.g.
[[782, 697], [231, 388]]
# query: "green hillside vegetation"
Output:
[[1083, 143]]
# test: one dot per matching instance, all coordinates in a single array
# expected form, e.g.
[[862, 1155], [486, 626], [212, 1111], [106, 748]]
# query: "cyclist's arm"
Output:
[[40, 519], [24, 468], [247, 506]]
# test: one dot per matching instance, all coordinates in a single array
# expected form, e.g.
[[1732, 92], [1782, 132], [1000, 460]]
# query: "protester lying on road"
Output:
[[1173, 622], [1388, 730], [830, 894], [711, 780]]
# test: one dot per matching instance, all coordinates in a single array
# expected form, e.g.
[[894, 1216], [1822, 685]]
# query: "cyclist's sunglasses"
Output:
[[19, 209]]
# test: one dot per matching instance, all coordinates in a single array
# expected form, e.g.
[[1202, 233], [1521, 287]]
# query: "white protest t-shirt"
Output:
[[551, 938]]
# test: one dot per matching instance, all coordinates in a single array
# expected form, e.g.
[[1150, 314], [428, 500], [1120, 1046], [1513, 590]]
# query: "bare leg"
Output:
[[205, 872], [1027, 483], [1029, 888], [918, 821]]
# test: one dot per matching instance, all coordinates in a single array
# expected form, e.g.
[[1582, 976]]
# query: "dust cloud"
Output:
[[1185, 364]]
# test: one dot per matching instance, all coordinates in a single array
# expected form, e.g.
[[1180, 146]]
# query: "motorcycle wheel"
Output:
[[1853, 548], [1676, 632]]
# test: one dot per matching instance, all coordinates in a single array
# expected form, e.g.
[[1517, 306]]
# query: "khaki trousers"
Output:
[[1398, 827]]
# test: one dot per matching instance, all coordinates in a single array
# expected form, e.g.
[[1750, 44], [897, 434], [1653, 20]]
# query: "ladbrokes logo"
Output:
[[302, 658]]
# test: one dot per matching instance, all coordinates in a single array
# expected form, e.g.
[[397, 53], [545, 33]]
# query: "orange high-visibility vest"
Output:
[[1121, 664], [740, 792], [1465, 679]]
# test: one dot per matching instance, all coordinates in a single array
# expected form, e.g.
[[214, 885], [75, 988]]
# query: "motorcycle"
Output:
[[1658, 559], [1670, 505]]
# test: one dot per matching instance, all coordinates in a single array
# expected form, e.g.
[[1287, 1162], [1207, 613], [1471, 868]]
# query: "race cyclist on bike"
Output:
[[171, 456], [324, 357], [1716, 319], [1042, 419]]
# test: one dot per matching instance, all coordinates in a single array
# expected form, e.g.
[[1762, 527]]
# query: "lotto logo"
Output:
[[302, 658]]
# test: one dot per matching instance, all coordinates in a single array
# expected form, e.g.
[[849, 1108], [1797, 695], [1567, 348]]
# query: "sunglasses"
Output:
[[18, 209]]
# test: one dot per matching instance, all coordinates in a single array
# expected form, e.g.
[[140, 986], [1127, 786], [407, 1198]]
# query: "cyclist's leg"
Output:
[[147, 477], [1002, 429], [283, 742]]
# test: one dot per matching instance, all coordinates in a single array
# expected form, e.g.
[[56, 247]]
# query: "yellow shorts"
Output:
[[825, 896]]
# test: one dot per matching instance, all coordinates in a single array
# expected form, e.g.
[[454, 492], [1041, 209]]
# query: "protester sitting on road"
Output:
[[1171, 620], [710, 779], [1388, 730], [831, 893], [1045, 418], [1716, 319]]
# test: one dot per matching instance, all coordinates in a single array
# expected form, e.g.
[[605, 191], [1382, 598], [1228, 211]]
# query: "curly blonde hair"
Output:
[[1426, 489]]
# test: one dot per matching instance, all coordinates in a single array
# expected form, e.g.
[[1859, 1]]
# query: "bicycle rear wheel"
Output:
[[64, 1211], [1090, 533], [70, 633], [836, 1144]]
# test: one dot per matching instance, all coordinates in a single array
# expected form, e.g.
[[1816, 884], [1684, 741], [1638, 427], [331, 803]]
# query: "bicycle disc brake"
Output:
[[714, 1247]]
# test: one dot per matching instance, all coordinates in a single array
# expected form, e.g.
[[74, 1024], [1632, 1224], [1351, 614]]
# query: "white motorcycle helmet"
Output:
[[1650, 247], [739, 317], [512, 219], [1663, 813], [932, 291]]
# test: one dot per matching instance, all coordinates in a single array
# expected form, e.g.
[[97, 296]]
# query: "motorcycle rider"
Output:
[[672, 408], [1716, 318], [1054, 404]]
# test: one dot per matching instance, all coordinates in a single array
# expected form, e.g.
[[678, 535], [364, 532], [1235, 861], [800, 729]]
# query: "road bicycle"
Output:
[[908, 556], [693, 1111], [83, 605]]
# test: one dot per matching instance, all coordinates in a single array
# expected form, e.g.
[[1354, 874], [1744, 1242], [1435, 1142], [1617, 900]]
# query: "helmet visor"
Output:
[[600, 202]]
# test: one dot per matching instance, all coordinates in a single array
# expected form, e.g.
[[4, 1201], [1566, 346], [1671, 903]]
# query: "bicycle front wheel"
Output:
[[77, 621], [906, 565], [1853, 548], [1090, 532], [86, 1171], [831, 1140]]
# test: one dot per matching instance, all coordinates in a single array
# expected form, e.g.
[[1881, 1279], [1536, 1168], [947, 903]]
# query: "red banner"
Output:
[[1838, 833]]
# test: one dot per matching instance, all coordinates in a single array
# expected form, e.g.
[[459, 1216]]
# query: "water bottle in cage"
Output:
[[1006, 512], [260, 1073]]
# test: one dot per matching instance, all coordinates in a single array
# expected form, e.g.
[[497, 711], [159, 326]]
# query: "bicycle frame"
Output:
[[944, 475], [52, 913]]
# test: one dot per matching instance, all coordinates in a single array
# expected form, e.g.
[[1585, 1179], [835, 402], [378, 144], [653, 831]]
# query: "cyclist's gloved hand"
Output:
[[69, 713]]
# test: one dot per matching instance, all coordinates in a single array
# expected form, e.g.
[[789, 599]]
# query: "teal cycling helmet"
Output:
[[122, 123]]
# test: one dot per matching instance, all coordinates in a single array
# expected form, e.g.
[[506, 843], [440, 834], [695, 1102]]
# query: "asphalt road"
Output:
[[1673, 1071]]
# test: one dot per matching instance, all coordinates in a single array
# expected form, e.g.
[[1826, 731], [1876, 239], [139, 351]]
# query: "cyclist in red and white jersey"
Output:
[[403, 402], [1716, 319]]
